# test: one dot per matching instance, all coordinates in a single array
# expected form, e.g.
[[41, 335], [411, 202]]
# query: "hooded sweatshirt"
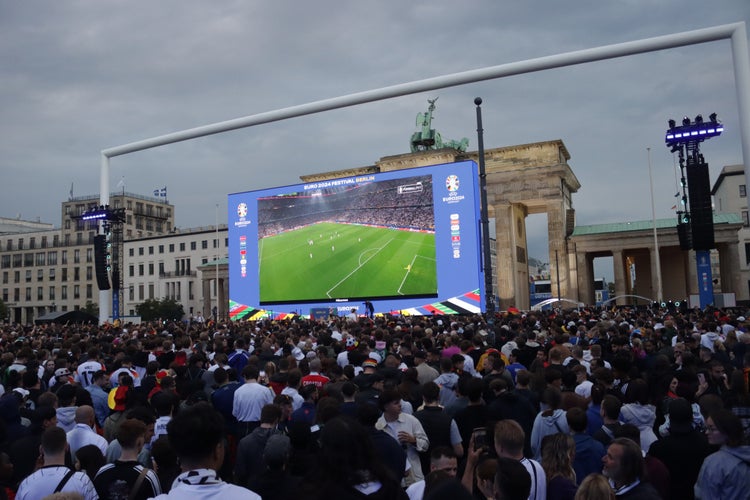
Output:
[[725, 474], [66, 418], [643, 417], [708, 339], [545, 426], [447, 383], [10, 414]]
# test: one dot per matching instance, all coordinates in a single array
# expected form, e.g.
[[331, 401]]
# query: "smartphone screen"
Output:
[[480, 438]]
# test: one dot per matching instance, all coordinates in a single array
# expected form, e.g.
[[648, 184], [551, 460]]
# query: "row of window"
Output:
[[173, 291], [44, 258], [181, 268], [67, 240], [52, 275], [171, 247], [32, 242], [51, 293]]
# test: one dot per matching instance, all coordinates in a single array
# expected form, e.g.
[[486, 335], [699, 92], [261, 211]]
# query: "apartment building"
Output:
[[44, 268], [167, 267]]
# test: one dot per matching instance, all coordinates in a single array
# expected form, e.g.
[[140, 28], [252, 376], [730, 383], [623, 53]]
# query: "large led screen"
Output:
[[406, 241]]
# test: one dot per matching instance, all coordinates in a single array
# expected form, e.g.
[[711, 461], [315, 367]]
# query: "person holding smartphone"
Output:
[[404, 428]]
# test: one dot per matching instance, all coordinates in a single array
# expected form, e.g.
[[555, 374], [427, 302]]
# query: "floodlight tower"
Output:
[[695, 223]]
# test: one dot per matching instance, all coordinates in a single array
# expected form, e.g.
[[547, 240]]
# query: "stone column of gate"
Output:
[[506, 292], [618, 262], [729, 261], [222, 297], [206, 282], [585, 271], [653, 255], [556, 232]]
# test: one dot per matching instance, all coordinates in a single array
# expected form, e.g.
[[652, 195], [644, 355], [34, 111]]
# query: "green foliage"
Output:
[[91, 308], [4, 311], [165, 309]]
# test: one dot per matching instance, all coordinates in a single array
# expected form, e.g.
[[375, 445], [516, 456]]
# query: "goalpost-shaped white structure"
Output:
[[736, 32]]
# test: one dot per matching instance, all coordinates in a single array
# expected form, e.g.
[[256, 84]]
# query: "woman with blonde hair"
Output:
[[595, 487], [558, 451]]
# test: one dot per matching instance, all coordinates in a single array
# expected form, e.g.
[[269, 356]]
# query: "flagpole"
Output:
[[217, 264], [657, 259]]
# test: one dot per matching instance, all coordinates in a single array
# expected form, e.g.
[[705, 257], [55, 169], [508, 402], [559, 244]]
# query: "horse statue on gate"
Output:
[[428, 138]]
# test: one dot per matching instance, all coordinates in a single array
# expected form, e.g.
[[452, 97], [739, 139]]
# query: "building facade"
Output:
[[730, 197], [173, 267], [45, 269]]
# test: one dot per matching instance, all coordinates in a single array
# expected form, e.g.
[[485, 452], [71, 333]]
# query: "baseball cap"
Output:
[[298, 354], [22, 392], [369, 363], [62, 372]]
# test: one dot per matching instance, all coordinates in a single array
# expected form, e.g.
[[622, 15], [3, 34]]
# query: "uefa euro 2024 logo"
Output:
[[242, 210], [451, 183]]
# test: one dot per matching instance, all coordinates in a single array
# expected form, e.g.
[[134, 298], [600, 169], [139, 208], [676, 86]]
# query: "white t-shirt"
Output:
[[538, 479], [416, 490], [44, 482], [85, 372]]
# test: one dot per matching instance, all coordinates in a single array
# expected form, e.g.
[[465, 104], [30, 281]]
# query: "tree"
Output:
[[165, 309], [4, 311], [91, 308]]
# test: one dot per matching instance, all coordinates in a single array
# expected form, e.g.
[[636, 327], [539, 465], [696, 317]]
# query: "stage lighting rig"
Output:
[[104, 213], [697, 130], [695, 227]]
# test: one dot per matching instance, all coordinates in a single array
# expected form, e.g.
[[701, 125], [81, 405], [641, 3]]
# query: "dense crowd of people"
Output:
[[380, 204], [580, 404]]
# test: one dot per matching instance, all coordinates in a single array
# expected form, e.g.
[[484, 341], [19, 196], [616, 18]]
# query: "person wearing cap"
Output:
[[62, 377], [683, 450], [369, 383]]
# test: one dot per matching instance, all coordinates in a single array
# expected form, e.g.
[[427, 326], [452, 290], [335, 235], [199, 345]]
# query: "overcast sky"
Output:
[[80, 76]]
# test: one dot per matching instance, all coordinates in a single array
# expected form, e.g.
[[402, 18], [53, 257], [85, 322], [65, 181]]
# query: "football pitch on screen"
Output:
[[330, 260]]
